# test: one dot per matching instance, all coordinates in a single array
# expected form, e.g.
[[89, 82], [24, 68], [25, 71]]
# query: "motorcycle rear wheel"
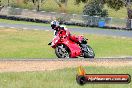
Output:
[[62, 51], [89, 53]]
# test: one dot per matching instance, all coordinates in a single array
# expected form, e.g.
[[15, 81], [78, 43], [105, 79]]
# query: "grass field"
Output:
[[18, 43], [22, 22], [64, 78]]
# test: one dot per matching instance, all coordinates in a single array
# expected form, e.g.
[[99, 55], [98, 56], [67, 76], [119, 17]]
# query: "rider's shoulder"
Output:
[[63, 27]]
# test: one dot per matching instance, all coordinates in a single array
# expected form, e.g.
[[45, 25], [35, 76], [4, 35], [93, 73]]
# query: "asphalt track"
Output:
[[72, 59], [88, 30]]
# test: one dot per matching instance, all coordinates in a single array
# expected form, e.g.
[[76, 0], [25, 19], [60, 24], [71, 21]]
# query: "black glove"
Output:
[[50, 43]]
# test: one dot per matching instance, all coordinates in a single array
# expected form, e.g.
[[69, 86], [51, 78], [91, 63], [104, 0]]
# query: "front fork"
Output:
[[83, 48]]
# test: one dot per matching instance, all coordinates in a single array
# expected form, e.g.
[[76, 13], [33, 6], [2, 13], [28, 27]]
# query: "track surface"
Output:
[[110, 32], [23, 65]]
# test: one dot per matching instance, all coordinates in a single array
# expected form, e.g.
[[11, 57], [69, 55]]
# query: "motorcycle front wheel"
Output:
[[89, 53], [62, 51]]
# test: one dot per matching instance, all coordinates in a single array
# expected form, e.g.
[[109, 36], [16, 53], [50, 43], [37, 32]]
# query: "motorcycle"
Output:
[[66, 48]]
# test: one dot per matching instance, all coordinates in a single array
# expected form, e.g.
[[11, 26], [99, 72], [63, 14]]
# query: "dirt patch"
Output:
[[20, 66], [8, 30]]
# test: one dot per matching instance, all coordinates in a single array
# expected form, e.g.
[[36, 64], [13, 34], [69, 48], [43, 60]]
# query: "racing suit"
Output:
[[71, 37]]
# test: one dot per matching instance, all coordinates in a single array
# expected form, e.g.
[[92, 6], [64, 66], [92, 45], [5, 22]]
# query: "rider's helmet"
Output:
[[54, 24]]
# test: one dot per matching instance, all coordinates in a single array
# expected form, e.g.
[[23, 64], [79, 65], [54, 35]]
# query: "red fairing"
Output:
[[74, 48], [63, 38], [80, 38]]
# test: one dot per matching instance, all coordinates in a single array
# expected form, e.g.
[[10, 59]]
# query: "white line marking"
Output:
[[46, 30], [8, 7], [12, 27], [35, 29], [25, 9], [52, 12], [63, 13], [43, 11], [34, 10], [1, 26], [17, 8], [24, 28]]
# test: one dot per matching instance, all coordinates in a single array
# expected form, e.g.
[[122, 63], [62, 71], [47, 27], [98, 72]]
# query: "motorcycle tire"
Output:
[[62, 51], [89, 53]]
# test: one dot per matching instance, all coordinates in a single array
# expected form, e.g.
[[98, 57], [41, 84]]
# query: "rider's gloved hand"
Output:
[[50, 43]]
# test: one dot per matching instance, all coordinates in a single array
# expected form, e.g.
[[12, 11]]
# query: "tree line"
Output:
[[92, 7]]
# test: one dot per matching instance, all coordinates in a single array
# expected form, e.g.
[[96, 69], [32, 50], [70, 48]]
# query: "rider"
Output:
[[56, 27]]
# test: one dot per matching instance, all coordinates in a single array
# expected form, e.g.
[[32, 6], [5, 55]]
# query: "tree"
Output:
[[114, 4], [37, 3], [0, 3], [95, 8], [62, 4]]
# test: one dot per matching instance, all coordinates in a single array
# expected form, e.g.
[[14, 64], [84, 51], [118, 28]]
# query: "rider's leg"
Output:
[[74, 38]]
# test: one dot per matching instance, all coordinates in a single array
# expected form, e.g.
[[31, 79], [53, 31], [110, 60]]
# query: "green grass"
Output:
[[18, 43], [65, 78], [105, 46], [22, 22], [25, 44]]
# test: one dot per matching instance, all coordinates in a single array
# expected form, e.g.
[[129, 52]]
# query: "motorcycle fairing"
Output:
[[75, 49]]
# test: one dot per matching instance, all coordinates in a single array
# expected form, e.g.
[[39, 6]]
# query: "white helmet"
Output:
[[54, 24]]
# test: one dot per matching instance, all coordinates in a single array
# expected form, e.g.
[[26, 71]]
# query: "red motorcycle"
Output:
[[66, 48]]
